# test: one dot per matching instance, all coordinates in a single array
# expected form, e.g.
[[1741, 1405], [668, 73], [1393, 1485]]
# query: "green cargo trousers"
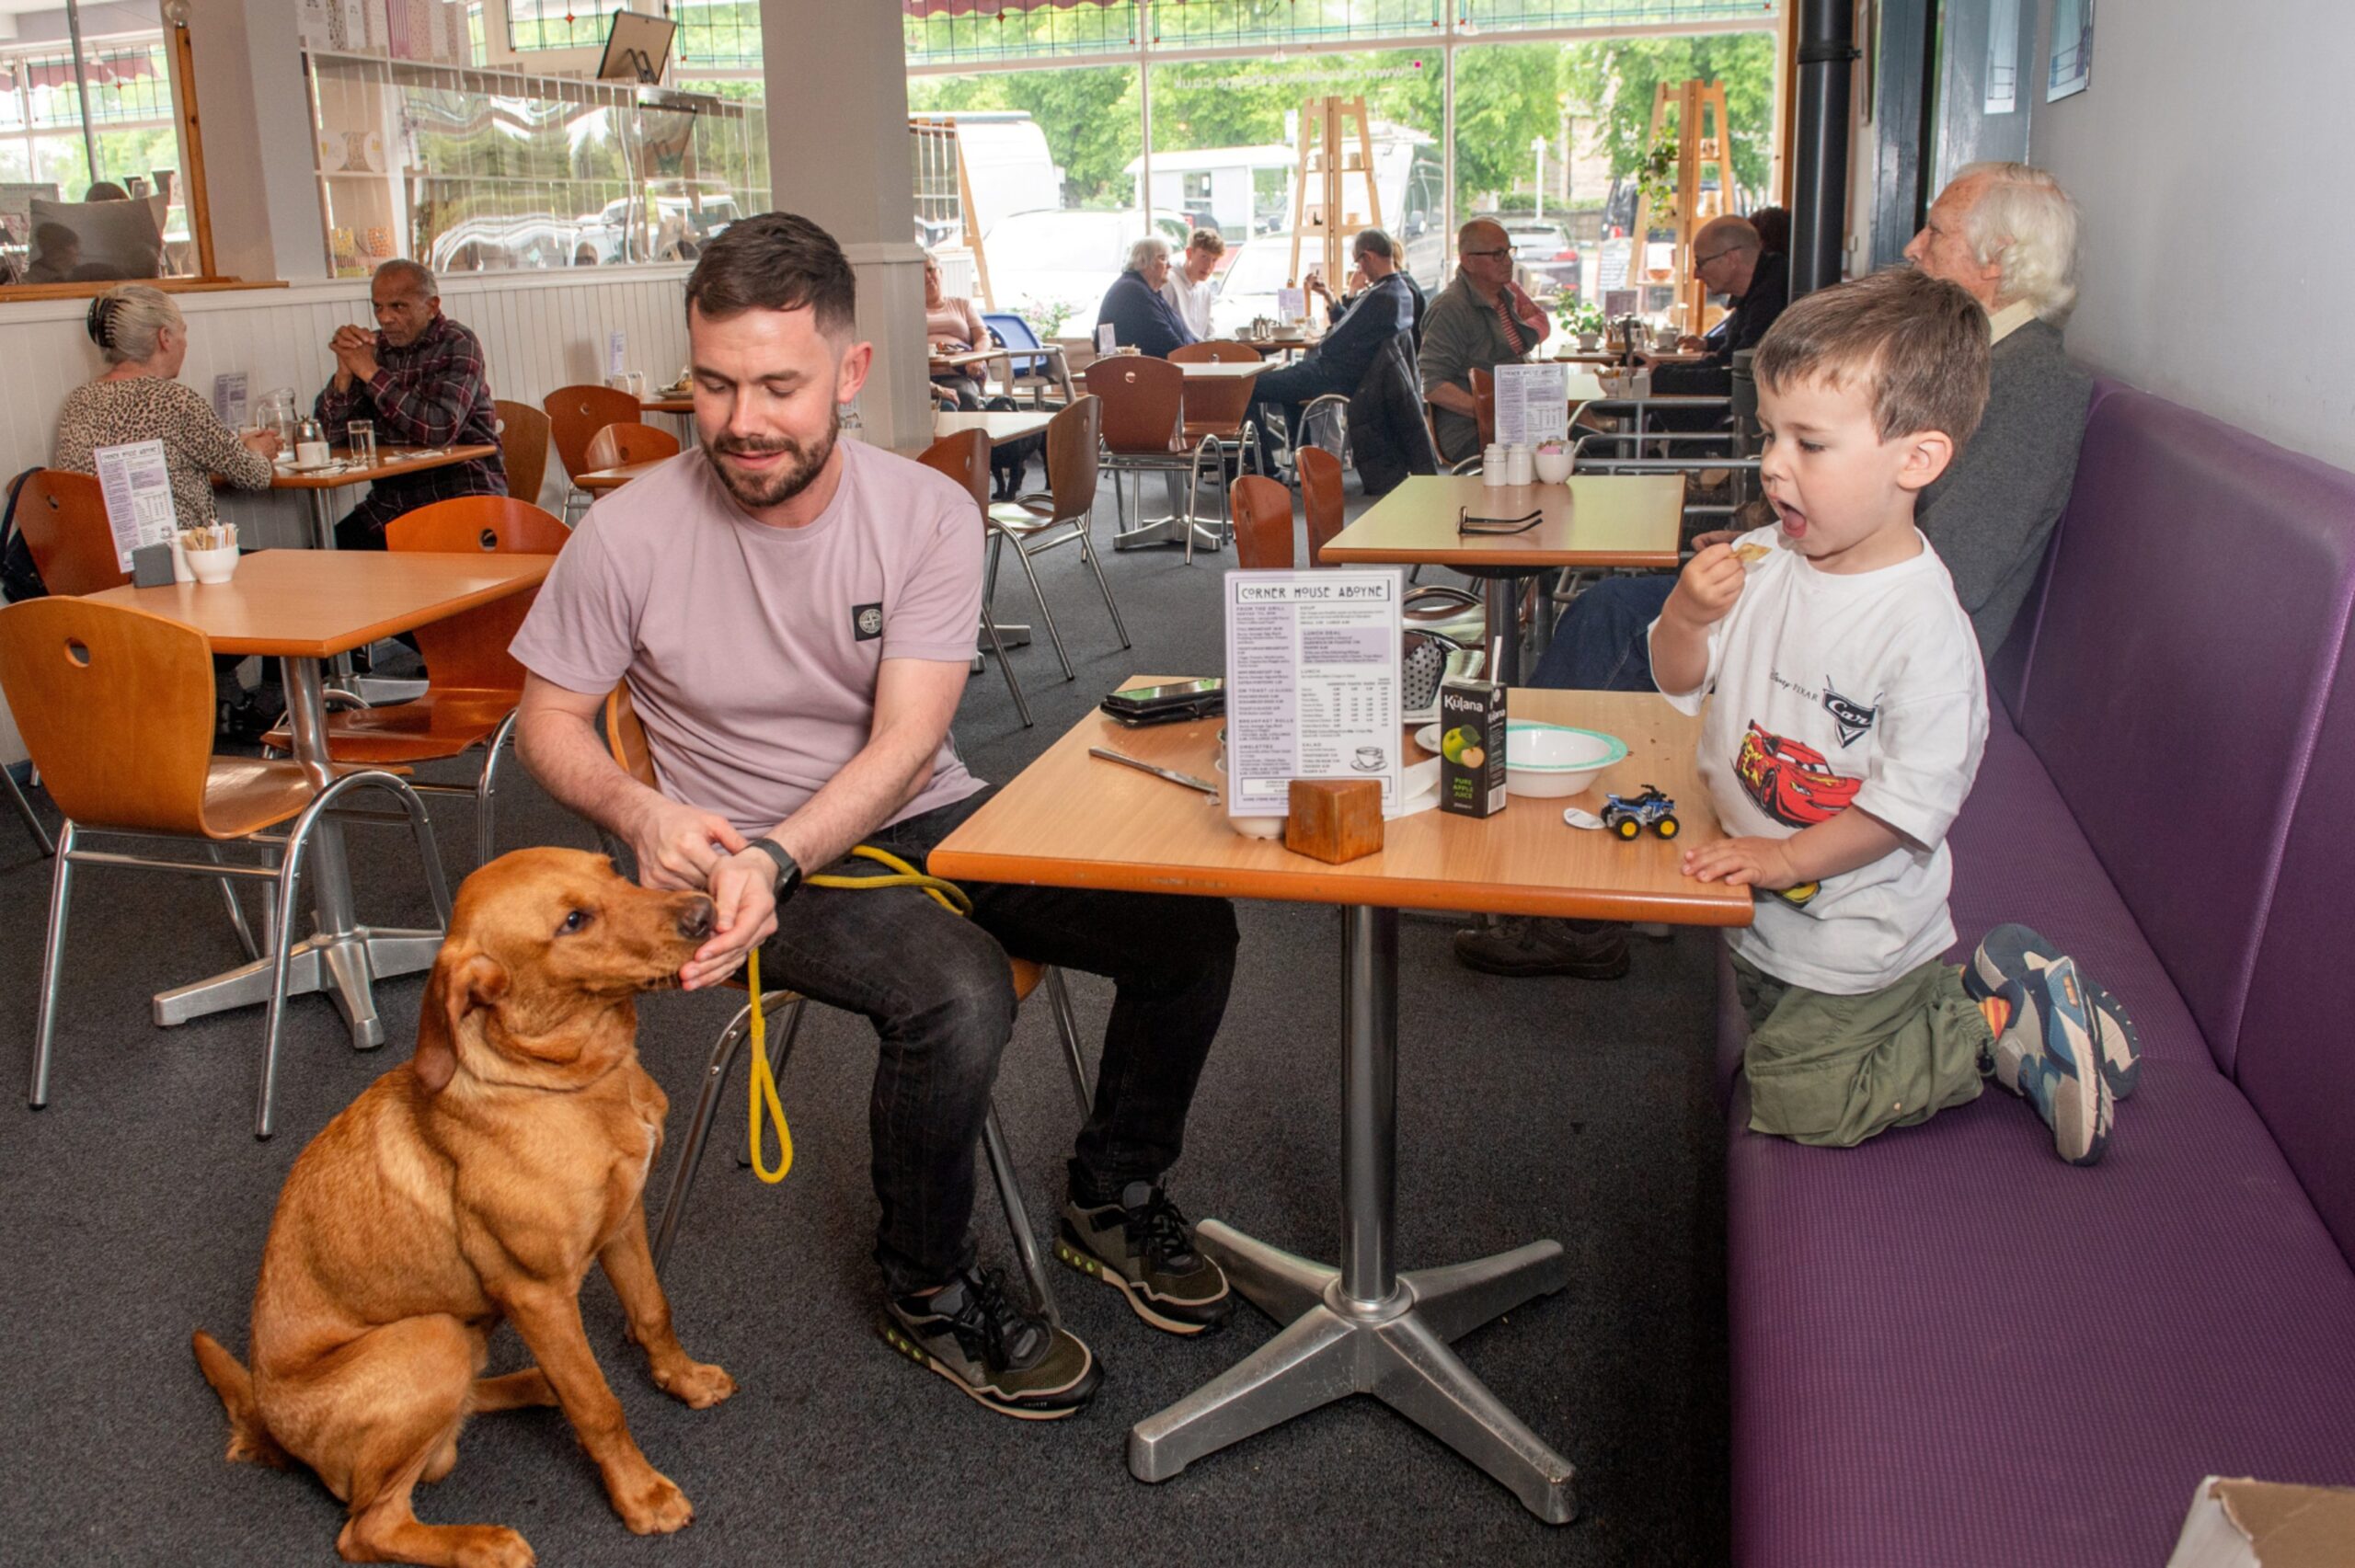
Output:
[[1836, 1069]]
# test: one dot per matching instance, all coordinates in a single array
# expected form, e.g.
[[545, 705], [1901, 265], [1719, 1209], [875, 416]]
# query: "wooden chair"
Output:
[[965, 457], [1144, 429], [1453, 612], [523, 448], [625, 739], [1221, 409], [1035, 523], [64, 519], [1217, 351], [98, 688], [1262, 512], [619, 445], [1320, 497], [575, 416], [473, 684]]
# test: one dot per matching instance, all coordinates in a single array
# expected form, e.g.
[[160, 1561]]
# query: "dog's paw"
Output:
[[699, 1385], [654, 1506], [495, 1545]]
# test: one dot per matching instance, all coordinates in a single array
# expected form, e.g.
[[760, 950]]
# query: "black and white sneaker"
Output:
[[1142, 1247], [973, 1334]]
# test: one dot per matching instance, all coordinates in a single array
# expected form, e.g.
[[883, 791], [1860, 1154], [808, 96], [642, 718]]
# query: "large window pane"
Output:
[[134, 129]]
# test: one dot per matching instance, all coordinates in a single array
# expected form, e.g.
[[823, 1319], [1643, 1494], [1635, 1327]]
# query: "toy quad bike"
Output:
[[1651, 809]]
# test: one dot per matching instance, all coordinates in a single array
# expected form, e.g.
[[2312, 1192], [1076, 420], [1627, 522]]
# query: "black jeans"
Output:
[[940, 994]]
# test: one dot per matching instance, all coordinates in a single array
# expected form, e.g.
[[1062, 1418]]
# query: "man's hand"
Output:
[[1707, 589], [1691, 344], [743, 896], [1744, 863], [675, 846]]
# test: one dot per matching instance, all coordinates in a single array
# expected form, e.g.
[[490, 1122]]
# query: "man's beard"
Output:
[[760, 492]]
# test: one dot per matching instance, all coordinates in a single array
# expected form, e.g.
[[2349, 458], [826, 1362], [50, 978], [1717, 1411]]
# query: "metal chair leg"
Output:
[[1087, 553], [487, 792], [715, 1079], [52, 960], [989, 625], [1046, 611], [1067, 1026], [236, 910], [1017, 1215], [25, 809]]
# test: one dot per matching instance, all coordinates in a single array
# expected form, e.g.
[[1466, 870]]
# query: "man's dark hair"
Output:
[[775, 261], [1773, 226], [1373, 242], [1917, 344]]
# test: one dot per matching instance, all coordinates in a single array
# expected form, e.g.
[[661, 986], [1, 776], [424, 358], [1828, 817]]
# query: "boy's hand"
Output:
[[1707, 586], [1744, 863]]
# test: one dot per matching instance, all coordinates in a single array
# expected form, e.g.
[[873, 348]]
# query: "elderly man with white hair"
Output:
[[2007, 234], [1140, 315]]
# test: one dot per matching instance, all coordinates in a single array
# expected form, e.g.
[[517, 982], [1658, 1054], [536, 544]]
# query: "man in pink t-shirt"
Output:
[[794, 616]]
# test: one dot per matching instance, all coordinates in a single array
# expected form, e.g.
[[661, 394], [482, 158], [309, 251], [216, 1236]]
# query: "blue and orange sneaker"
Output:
[[2046, 1052], [2013, 952]]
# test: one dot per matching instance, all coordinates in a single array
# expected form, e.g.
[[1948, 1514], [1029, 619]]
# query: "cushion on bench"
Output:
[[2195, 606], [1950, 1349]]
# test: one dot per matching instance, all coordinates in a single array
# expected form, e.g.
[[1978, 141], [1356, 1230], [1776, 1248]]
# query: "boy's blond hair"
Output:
[[1916, 343]]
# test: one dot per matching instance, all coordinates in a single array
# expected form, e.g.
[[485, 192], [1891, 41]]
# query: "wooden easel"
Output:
[[1326, 164], [944, 190], [1702, 138]]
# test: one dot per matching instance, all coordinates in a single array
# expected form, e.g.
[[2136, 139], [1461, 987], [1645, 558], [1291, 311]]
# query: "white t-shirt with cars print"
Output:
[[1830, 691]]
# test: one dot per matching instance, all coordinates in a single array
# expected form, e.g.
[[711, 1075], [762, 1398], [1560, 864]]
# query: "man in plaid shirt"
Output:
[[420, 377]]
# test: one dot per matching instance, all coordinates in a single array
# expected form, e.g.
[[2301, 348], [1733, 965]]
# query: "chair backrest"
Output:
[[618, 444], [626, 738], [469, 652], [64, 519], [1484, 395], [964, 457], [1144, 401], [523, 447], [577, 413], [1219, 402], [1016, 332], [1214, 352], [1071, 437], [1262, 511], [115, 705], [1320, 496]]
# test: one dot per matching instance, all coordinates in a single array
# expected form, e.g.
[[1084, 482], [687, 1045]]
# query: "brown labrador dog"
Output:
[[472, 1185]]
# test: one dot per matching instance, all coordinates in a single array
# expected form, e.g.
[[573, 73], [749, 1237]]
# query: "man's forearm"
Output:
[[887, 773], [564, 753], [1452, 398]]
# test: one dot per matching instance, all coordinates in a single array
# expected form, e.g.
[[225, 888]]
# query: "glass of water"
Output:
[[362, 437]]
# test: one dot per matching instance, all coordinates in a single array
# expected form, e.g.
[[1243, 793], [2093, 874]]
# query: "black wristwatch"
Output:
[[788, 870]]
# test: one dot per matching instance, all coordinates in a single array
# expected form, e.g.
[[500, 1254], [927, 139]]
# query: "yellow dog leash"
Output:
[[762, 1082]]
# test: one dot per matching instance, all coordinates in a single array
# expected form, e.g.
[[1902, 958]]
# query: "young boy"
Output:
[[1849, 717]]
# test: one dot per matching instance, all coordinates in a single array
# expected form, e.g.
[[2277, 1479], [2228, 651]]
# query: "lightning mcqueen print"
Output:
[[1790, 782]]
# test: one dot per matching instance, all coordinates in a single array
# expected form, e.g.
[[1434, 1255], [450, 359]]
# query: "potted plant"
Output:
[[1656, 181], [1583, 319]]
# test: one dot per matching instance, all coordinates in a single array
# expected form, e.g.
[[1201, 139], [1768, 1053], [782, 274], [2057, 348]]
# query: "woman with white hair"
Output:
[[140, 399], [1135, 308]]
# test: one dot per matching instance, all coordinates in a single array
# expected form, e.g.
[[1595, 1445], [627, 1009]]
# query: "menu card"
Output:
[[1312, 684], [1533, 404], [138, 489]]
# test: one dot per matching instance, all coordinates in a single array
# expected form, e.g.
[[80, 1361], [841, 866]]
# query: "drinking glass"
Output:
[[361, 438]]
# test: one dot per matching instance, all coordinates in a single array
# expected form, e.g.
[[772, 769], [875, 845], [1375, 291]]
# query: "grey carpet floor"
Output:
[[133, 1209]]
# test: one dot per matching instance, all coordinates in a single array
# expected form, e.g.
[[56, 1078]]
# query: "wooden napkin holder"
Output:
[[1335, 820]]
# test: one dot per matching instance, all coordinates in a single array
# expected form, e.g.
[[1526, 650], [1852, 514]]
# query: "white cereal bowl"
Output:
[[1547, 760], [1553, 467]]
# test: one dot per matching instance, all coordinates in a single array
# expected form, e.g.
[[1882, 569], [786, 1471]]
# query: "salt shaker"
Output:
[[1493, 465]]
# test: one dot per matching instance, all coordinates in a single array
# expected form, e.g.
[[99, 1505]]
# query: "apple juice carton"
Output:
[[1472, 747]]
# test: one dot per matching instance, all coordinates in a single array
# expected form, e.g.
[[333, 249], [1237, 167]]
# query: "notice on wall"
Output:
[[138, 489], [1312, 684], [617, 352], [229, 399], [1533, 404]]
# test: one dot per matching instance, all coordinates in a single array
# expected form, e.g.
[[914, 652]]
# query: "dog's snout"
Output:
[[694, 921]]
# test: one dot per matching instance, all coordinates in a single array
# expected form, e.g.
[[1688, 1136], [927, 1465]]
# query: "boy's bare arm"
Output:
[[1705, 591], [1854, 838]]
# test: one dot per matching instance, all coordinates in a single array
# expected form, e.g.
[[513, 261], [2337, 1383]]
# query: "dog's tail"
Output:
[[249, 1438]]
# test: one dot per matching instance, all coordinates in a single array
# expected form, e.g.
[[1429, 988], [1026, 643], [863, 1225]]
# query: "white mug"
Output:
[[313, 454]]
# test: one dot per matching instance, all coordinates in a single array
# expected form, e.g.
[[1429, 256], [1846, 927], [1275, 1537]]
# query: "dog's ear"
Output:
[[462, 980]]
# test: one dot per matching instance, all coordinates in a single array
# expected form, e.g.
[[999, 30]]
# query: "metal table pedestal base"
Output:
[[1363, 1327], [343, 967]]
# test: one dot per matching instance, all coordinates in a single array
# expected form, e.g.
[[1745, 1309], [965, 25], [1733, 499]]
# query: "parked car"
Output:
[[1542, 251], [1035, 258], [1247, 286]]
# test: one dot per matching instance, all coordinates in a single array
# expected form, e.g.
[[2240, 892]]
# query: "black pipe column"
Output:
[[1819, 184]]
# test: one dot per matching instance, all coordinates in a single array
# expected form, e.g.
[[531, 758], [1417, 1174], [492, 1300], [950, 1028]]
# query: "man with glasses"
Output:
[[1730, 259], [1482, 320]]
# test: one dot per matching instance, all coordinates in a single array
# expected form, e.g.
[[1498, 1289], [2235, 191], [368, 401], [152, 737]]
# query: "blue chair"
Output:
[[1042, 370]]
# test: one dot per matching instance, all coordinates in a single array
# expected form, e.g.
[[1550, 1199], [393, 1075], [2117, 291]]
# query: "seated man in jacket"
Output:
[[1730, 260], [1481, 321], [1383, 309], [1140, 315]]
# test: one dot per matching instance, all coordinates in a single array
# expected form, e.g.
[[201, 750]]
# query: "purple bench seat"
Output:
[[1950, 1348]]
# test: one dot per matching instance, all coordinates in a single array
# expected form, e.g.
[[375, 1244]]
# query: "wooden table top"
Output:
[[964, 356], [615, 478], [683, 403], [1071, 820], [318, 603], [1594, 521], [1000, 427], [392, 461], [1220, 370]]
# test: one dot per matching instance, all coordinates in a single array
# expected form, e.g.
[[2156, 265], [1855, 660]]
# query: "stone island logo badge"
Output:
[[1853, 718], [866, 622]]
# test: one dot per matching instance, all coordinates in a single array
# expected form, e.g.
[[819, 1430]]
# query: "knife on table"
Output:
[[1189, 780]]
